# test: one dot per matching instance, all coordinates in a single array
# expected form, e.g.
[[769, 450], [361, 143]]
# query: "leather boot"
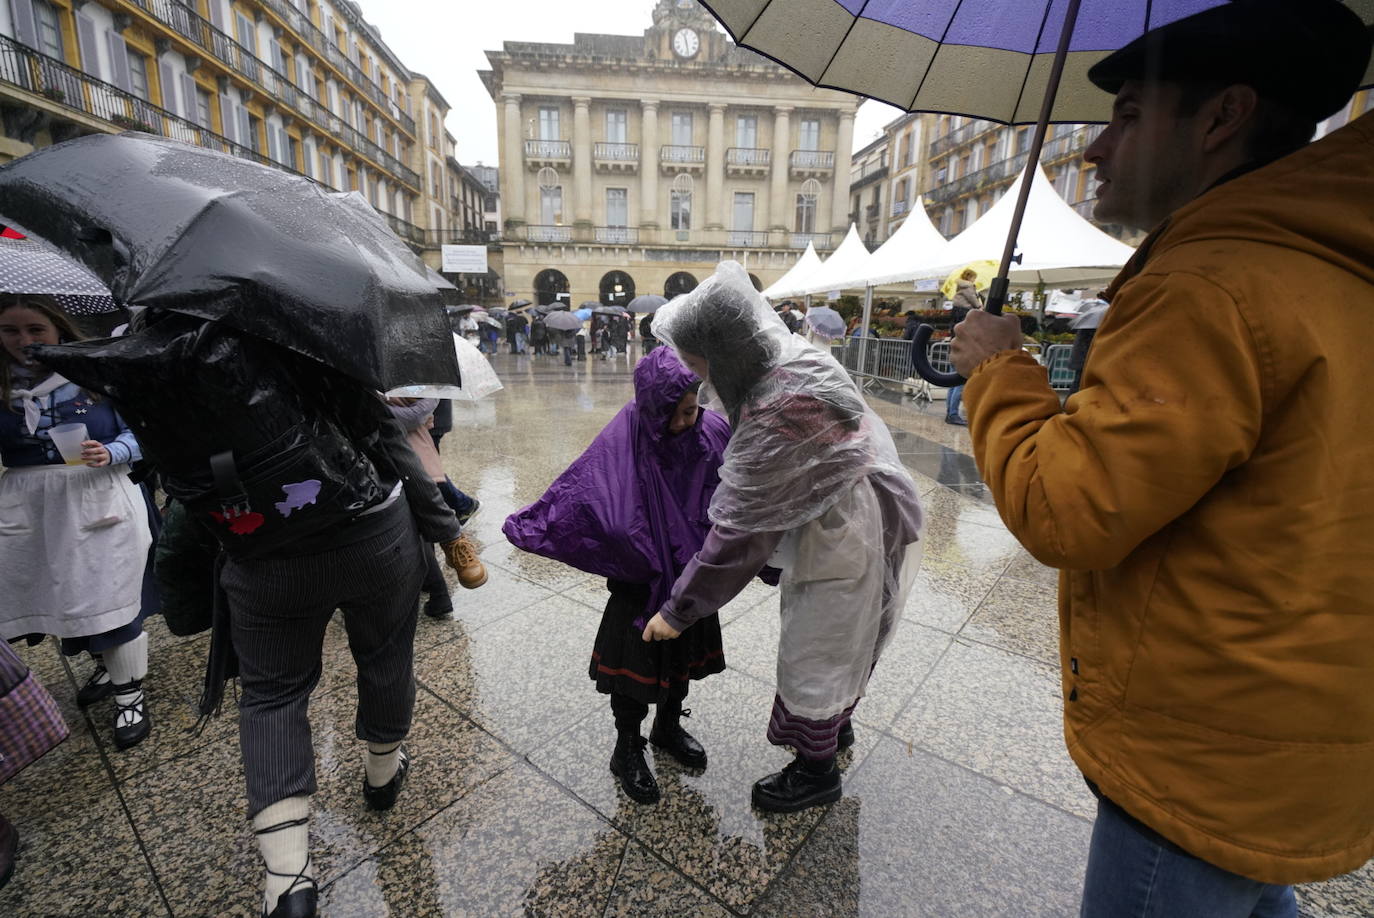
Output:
[[846, 735], [667, 734], [801, 784], [628, 764]]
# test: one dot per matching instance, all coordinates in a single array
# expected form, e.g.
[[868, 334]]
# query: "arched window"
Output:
[[678, 284], [548, 284], [617, 288], [680, 203], [806, 206]]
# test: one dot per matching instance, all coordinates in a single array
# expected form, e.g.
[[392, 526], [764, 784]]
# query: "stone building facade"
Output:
[[633, 164]]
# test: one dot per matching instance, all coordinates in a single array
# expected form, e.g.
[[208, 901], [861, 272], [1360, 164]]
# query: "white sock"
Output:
[[382, 761], [128, 661], [285, 850]]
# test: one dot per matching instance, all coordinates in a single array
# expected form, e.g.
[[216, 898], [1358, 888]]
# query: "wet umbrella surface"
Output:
[[181, 228]]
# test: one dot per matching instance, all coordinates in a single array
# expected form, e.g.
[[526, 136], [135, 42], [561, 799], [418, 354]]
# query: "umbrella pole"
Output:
[[997, 291], [867, 320]]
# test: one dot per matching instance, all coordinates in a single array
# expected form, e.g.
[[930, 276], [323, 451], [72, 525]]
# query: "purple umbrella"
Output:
[[825, 321], [1013, 61]]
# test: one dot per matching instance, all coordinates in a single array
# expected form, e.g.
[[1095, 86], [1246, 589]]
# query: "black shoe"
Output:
[[9, 849], [797, 787], [384, 797], [97, 688], [679, 744], [132, 722], [301, 903], [628, 764], [439, 605], [955, 420], [846, 737], [473, 506]]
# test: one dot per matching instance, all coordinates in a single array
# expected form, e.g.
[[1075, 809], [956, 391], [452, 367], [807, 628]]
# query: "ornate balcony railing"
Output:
[[958, 137], [748, 156], [538, 233], [747, 239], [616, 235], [1005, 169], [676, 153], [813, 159], [801, 240], [617, 152], [548, 149]]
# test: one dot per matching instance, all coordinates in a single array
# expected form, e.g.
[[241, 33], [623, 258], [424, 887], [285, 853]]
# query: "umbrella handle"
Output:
[[921, 362]]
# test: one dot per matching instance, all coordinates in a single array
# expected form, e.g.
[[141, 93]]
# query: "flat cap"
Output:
[[1307, 54]]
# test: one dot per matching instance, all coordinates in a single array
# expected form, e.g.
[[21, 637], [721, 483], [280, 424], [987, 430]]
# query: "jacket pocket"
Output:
[[102, 508]]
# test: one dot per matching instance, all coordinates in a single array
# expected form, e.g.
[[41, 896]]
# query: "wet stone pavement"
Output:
[[959, 797]]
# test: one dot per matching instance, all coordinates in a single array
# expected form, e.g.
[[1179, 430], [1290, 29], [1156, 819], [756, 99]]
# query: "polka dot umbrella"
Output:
[[31, 265]]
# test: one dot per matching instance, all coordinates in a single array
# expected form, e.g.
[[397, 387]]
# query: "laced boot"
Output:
[[801, 784], [667, 734], [461, 555], [629, 765]]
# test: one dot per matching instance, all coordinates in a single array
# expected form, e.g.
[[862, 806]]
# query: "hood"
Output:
[[661, 379], [1318, 201]]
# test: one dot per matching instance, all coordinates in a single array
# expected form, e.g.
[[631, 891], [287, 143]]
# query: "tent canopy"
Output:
[[916, 242], [847, 261], [787, 285], [1057, 246]]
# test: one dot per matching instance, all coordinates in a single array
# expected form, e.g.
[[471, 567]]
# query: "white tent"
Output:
[[916, 242], [845, 262], [787, 285], [1057, 246]]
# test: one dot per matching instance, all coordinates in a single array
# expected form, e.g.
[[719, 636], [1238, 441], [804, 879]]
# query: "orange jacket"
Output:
[[1209, 497]]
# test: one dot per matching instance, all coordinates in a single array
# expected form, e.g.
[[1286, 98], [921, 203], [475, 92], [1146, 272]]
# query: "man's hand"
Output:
[[659, 630], [980, 336]]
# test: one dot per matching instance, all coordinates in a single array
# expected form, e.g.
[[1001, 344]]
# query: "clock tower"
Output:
[[683, 31]]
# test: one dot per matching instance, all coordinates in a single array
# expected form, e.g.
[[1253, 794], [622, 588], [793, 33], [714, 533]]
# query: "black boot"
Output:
[[628, 764], [439, 605], [667, 734], [846, 735], [799, 785]]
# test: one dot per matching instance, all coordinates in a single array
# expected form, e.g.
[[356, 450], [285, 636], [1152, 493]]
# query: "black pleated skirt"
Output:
[[623, 663]]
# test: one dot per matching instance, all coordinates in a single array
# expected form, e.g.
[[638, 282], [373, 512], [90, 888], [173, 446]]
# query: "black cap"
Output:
[[1308, 54]]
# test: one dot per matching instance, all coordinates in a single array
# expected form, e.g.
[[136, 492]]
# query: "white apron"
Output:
[[835, 621], [73, 546]]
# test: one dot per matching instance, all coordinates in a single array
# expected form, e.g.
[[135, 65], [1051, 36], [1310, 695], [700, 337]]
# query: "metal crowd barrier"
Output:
[[877, 361]]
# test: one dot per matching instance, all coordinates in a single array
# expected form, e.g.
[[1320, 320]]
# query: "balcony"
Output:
[[616, 235], [871, 212], [959, 137], [812, 163], [677, 158], [538, 233], [899, 208], [541, 153], [1071, 145], [1001, 171], [747, 239], [801, 240], [867, 175], [616, 157], [747, 161]]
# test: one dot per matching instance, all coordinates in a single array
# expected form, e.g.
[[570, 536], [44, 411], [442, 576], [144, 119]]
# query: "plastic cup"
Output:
[[68, 439]]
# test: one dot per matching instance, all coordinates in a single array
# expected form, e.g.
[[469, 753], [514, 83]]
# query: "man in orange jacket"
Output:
[[1208, 494]]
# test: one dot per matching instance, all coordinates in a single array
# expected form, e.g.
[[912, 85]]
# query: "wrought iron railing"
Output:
[[1070, 144], [958, 137], [1005, 169]]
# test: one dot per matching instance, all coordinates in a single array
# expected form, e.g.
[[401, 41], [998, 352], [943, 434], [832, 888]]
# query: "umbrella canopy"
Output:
[[983, 271], [825, 321], [30, 265], [520, 304], [479, 379], [787, 285], [177, 227], [850, 259], [499, 312], [563, 321], [583, 314], [609, 311], [647, 302]]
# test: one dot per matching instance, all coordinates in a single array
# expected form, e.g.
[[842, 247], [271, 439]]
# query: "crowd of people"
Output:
[[1205, 496]]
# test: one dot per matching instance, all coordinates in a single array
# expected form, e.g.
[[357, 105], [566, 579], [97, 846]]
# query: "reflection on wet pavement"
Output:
[[959, 797]]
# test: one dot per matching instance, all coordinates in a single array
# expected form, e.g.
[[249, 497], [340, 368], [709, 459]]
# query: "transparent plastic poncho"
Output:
[[802, 433]]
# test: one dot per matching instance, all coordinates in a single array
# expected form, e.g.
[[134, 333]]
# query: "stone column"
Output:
[[715, 167], [840, 202], [650, 207], [513, 167], [778, 210], [582, 161]]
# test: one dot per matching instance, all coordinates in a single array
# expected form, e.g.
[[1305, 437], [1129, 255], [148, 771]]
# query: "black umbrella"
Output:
[[520, 304], [563, 321], [647, 302], [551, 307], [609, 311], [176, 227]]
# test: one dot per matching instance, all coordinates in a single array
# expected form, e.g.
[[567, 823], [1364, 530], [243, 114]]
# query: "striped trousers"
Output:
[[279, 609]]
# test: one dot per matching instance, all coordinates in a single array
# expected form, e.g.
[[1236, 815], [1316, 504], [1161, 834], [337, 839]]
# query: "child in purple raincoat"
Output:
[[632, 508]]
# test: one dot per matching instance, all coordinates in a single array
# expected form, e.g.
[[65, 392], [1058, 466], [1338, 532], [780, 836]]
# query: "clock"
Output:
[[686, 43]]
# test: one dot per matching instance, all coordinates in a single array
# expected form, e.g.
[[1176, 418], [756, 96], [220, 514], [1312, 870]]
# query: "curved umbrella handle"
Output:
[[921, 362]]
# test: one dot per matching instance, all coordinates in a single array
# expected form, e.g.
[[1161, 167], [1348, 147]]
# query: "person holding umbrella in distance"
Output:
[[1206, 493]]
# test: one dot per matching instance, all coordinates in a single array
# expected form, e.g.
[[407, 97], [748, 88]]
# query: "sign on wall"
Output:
[[464, 259]]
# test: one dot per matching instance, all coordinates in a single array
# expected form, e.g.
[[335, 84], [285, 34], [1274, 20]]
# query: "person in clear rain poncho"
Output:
[[811, 484]]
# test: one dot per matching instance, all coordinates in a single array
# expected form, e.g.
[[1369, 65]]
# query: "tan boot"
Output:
[[461, 555]]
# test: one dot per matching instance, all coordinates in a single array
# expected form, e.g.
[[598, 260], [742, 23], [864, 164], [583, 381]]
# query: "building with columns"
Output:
[[634, 163]]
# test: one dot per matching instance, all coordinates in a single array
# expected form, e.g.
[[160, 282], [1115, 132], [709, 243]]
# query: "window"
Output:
[[743, 214], [682, 129], [254, 142], [49, 30], [615, 125], [906, 149], [548, 124], [810, 135], [326, 163], [971, 212], [203, 107], [293, 152], [747, 132], [806, 213], [433, 131], [248, 36], [947, 221], [1023, 139], [138, 75], [680, 208], [617, 207], [551, 205]]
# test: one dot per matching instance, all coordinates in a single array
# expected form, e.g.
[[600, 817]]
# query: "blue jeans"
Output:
[[1135, 873], [953, 399]]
